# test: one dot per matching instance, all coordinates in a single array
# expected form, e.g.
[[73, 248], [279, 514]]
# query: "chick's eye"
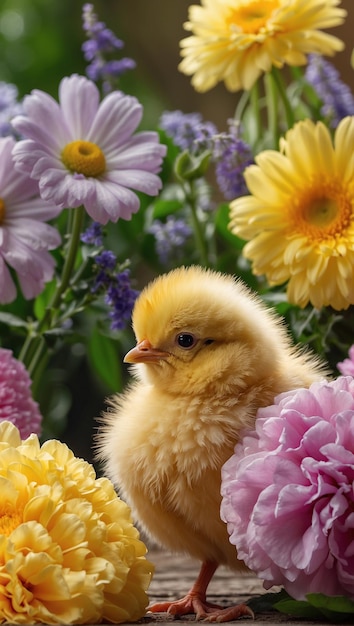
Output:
[[185, 340]]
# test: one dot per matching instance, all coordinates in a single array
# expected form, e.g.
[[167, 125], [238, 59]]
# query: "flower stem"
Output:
[[256, 111], [35, 345], [199, 235], [69, 263], [272, 108], [241, 105], [289, 113]]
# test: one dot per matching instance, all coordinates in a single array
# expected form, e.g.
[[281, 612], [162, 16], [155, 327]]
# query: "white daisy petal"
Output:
[[117, 119], [139, 180], [25, 238], [42, 121], [79, 99], [112, 197], [8, 289], [99, 148]]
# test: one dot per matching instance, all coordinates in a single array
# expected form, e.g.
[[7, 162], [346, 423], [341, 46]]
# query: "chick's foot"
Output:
[[195, 601], [191, 603], [203, 610], [229, 614]]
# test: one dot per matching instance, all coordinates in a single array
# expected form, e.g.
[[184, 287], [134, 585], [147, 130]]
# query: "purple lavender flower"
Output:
[[102, 42], [187, 130], [106, 263], [93, 235], [170, 236], [9, 107], [231, 156], [106, 260], [115, 284], [337, 99], [121, 297]]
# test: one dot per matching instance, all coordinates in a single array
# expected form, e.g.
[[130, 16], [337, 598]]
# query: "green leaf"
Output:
[[337, 604], [189, 167], [222, 221], [42, 301], [317, 606], [297, 608], [12, 320], [163, 208], [105, 360], [264, 603]]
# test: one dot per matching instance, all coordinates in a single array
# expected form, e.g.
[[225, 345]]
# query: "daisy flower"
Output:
[[299, 218], [84, 152], [25, 238], [236, 41]]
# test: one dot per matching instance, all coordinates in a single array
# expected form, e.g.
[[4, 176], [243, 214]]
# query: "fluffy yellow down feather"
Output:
[[208, 354]]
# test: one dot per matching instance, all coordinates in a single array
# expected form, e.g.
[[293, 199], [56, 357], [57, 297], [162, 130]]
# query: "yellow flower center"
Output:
[[10, 518], [84, 157], [253, 15], [323, 212], [2, 211]]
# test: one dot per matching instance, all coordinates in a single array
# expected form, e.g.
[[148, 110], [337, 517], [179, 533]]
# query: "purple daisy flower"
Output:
[[84, 152], [25, 238]]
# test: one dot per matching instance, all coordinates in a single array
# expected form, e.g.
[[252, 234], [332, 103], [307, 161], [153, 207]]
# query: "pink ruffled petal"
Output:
[[288, 492]]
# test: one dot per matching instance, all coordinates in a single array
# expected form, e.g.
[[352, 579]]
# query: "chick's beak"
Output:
[[145, 353]]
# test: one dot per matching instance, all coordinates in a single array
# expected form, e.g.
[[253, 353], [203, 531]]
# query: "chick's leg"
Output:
[[195, 601]]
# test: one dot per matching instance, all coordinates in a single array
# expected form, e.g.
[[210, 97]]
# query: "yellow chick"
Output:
[[208, 354]]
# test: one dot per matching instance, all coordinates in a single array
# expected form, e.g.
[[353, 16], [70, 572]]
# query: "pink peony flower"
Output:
[[84, 152], [25, 238], [288, 492], [16, 402], [346, 367]]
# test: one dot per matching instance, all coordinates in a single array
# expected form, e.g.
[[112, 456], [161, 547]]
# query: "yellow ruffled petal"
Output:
[[66, 540], [303, 197], [237, 42]]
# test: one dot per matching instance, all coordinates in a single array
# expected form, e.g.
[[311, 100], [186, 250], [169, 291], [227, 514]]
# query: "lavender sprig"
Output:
[[102, 43], [337, 98]]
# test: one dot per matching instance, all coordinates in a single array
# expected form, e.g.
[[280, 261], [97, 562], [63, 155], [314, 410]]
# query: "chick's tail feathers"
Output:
[[195, 601]]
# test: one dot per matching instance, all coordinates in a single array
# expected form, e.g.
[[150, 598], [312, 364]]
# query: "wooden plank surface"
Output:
[[175, 575]]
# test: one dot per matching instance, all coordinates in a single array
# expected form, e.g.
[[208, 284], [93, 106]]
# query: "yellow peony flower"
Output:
[[299, 219], [69, 553], [235, 41]]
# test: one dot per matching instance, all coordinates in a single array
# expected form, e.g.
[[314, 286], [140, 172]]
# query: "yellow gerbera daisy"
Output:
[[237, 40], [299, 220], [69, 553]]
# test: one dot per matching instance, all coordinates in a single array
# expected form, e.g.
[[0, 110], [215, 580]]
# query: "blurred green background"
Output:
[[40, 43]]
